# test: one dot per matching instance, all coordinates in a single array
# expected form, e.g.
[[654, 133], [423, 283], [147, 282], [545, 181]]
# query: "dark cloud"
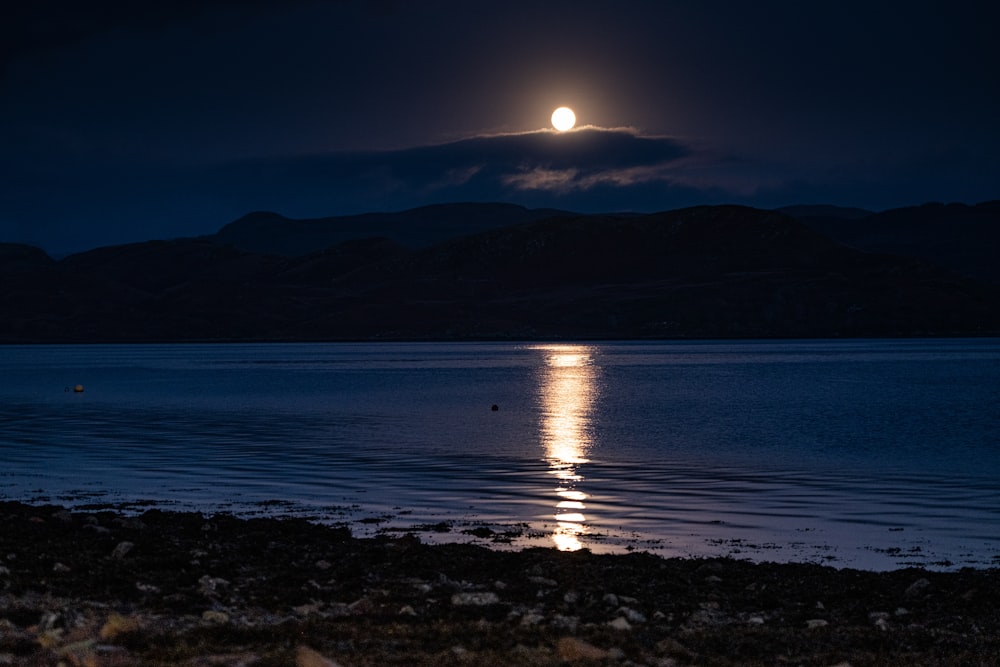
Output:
[[544, 167], [500, 164]]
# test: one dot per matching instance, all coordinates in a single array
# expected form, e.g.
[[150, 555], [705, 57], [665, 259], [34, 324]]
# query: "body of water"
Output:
[[858, 453]]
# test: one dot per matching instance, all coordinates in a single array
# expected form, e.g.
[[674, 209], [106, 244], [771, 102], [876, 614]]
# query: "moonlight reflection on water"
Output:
[[568, 392]]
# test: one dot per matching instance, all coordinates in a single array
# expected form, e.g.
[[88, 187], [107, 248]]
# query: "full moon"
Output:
[[563, 119]]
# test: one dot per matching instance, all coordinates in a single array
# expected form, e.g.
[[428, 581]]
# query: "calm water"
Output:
[[871, 454]]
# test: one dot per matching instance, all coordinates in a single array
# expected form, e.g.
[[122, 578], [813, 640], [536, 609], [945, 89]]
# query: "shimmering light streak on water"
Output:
[[567, 393]]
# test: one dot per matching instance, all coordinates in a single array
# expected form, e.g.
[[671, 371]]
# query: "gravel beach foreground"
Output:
[[165, 588]]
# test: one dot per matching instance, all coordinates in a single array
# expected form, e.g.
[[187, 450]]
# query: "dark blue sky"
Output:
[[124, 121]]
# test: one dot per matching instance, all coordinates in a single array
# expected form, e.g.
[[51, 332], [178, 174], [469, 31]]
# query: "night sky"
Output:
[[126, 121]]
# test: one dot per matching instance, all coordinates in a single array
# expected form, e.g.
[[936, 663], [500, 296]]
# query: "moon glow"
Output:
[[563, 119]]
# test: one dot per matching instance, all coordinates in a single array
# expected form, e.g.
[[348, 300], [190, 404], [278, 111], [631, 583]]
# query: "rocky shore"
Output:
[[102, 588]]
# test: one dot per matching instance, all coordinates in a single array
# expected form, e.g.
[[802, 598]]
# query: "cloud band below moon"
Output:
[[491, 167]]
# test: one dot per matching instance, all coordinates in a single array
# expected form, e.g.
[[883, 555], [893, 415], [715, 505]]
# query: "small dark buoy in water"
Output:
[[495, 407], [78, 389]]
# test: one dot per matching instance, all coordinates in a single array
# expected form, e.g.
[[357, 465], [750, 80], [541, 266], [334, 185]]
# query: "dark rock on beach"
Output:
[[162, 588]]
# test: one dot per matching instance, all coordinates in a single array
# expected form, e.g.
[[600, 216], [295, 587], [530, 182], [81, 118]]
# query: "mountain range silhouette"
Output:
[[500, 271]]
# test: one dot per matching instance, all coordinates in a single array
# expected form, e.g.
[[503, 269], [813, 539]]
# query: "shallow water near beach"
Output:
[[875, 454]]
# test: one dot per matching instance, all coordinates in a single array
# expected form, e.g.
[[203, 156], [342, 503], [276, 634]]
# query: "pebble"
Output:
[[212, 616], [307, 609], [59, 567], [880, 619], [117, 625], [631, 615], [209, 585], [671, 645], [474, 599], [531, 619], [918, 587], [543, 581], [708, 615], [121, 550], [620, 623], [337, 610], [79, 652], [816, 623], [362, 606], [611, 599], [569, 623], [306, 657], [572, 649]]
